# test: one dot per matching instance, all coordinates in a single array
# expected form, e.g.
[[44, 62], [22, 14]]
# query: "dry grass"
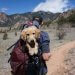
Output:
[[55, 43]]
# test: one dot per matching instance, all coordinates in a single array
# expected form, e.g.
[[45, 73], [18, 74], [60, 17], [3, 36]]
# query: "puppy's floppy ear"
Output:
[[37, 33], [23, 35]]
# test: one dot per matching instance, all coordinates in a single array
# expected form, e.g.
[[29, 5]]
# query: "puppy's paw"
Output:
[[36, 51], [31, 52]]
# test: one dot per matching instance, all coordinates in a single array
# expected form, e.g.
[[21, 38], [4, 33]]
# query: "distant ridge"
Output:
[[19, 19]]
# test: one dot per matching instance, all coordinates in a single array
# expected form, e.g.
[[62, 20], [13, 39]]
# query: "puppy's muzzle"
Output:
[[32, 43]]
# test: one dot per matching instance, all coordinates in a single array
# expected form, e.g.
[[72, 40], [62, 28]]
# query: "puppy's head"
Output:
[[30, 34]]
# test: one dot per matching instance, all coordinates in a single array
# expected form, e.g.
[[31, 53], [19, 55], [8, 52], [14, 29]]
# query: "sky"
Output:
[[22, 6]]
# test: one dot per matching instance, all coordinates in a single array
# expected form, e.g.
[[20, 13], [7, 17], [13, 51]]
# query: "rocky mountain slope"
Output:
[[19, 19], [10, 20]]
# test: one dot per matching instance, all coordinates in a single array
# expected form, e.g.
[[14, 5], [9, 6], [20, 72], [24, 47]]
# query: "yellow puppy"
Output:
[[30, 35]]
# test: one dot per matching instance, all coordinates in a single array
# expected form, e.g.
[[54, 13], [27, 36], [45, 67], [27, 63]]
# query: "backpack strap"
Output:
[[12, 46]]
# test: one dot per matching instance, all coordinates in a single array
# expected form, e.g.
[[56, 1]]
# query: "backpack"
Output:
[[34, 63], [40, 69]]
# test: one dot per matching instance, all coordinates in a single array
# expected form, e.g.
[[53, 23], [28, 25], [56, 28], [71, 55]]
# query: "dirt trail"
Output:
[[56, 64]]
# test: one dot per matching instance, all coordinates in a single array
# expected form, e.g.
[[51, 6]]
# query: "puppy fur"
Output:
[[30, 35]]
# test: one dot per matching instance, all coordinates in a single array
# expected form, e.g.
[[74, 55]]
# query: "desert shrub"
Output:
[[60, 34], [9, 28], [1, 31], [15, 33], [5, 36]]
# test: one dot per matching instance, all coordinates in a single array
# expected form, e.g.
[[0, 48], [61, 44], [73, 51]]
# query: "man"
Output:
[[44, 43], [37, 21], [19, 58]]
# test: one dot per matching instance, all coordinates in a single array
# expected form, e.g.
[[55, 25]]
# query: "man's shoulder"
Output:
[[43, 33], [44, 36]]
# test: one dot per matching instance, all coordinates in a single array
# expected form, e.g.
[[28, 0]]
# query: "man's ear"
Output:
[[23, 35], [37, 33]]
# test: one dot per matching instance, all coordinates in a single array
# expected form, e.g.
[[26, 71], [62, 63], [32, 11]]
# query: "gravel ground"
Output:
[[4, 55], [70, 62], [4, 44], [62, 60]]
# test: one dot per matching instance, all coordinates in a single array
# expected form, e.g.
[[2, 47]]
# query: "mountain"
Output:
[[18, 19]]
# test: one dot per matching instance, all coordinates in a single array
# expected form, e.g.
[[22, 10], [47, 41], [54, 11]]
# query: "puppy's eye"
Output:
[[33, 33], [27, 34]]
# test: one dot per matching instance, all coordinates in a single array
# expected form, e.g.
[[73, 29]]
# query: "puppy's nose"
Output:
[[32, 41]]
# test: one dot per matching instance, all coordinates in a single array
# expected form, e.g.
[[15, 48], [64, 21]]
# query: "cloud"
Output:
[[52, 6], [4, 9]]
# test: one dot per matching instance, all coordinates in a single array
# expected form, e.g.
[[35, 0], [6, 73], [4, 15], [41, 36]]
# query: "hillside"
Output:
[[11, 20], [19, 19]]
